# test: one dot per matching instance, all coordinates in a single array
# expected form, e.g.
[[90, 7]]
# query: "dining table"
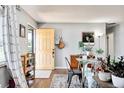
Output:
[[88, 73]]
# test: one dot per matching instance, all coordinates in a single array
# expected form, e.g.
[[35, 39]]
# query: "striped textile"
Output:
[[11, 46]]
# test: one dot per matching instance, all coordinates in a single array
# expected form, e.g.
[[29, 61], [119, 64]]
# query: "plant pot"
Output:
[[104, 76], [117, 81], [99, 56], [88, 52]]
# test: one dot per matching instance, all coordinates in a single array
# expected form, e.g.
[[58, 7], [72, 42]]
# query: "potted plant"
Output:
[[102, 69], [117, 70], [81, 45], [99, 52], [85, 48]]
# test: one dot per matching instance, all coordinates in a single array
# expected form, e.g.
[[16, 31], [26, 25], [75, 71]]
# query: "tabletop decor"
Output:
[[99, 52], [85, 49]]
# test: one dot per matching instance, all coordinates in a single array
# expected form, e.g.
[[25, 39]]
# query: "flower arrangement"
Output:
[[103, 71], [103, 65], [85, 47], [88, 48]]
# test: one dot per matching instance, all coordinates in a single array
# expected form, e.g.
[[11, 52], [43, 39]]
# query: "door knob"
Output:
[[53, 53]]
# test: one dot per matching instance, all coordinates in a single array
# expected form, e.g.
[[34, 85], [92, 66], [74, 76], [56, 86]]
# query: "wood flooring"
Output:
[[45, 82]]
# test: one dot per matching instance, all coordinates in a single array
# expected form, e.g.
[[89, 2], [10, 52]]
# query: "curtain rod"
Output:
[[17, 7]]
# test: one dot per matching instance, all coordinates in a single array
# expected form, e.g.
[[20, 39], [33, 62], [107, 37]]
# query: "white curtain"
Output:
[[11, 46]]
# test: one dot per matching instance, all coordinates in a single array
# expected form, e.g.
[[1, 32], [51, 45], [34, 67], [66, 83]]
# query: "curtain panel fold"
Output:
[[11, 46]]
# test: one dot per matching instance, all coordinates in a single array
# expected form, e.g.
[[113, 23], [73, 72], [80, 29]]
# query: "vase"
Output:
[[87, 53], [118, 81], [104, 76], [99, 56]]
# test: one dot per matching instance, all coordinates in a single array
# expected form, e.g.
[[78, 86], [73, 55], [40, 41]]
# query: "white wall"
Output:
[[111, 48], [71, 33], [119, 40], [24, 19]]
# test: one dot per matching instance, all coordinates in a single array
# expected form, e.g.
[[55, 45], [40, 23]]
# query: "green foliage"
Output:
[[81, 44], [84, 47], [99, 51], [117, 67], [87, 48]]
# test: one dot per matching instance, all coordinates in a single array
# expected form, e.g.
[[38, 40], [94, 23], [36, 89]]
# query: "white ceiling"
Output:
[[75, 14]]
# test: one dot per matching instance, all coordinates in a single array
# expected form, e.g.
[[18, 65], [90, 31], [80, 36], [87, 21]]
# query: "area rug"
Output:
[[60, 81], [42, 73]]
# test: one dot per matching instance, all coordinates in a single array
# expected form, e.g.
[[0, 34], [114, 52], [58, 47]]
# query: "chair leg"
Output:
[[69, 79], [80, 78], [83, 82]]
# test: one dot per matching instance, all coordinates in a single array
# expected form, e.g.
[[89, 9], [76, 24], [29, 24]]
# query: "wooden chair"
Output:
[[74, 62]]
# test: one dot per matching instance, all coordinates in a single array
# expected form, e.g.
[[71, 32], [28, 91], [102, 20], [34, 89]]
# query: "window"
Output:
[[2, 56], [30, 45], [30, 39]]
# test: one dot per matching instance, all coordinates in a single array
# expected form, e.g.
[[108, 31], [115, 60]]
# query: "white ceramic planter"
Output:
[[104, 76], [117, 81]]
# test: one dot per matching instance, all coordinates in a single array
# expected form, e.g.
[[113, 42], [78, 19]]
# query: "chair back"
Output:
[[68, 63], [74, 62]]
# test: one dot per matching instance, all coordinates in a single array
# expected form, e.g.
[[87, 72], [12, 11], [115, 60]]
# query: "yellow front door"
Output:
[[45, 48]]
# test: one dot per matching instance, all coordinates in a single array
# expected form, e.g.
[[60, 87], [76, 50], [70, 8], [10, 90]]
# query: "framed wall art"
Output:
[[22, 31], [88, 37]]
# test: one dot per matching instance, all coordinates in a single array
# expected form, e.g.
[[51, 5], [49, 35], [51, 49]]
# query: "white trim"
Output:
[[31, 25], [60, 67], [6, 86]]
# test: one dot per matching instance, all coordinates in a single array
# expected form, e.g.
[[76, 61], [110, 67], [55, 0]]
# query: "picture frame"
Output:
[[88, 37], [22, 32]]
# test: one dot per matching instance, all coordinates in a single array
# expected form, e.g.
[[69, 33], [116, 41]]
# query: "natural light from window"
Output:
[[30, 41]]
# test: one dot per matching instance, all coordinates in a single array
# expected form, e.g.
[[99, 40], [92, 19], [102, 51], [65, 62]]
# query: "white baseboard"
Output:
[[42, 73], [60, 67], [6, 86]]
